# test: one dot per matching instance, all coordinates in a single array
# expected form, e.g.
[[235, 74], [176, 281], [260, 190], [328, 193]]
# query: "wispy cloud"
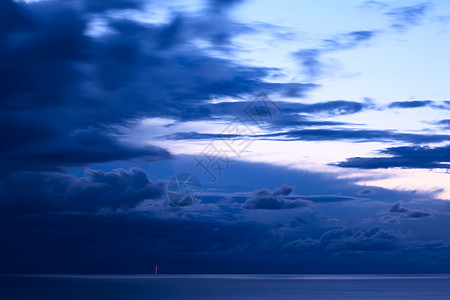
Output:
[[408, 15], [403, 157]]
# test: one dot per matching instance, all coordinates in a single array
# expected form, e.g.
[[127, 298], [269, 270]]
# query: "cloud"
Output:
[[433, 245], [408, 15], [420, 157], [98, 6], [310, 59], [223, 5], [134, 243], [352, 135], [298, 121], [397, 209], [366, 192], [388, 219], [358, 135], [340, 240], [397, 212], [82, 147], [265, 199], [444, 123], [329, 198], [374, 4], [335, 107], [349, 40], [410, 104], [408, 213], [416, 215], [207, 237], [288, 109], [66, 91], [97, 190]]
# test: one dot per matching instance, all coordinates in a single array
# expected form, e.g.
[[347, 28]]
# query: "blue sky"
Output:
[[317, 132]]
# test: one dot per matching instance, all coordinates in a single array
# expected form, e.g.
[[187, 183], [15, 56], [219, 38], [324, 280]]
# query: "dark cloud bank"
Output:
[[50, 192], [65, 92]]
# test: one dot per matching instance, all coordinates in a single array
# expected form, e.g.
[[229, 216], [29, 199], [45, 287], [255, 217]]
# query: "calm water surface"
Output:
[[261, 287]]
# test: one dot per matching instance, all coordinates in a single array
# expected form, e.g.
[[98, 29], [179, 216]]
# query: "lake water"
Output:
[[211, 287]]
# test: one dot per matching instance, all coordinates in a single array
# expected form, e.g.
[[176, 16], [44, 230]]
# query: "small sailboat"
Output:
[[156, 269]]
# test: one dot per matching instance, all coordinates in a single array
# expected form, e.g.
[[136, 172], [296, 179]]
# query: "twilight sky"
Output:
[[310, 136]]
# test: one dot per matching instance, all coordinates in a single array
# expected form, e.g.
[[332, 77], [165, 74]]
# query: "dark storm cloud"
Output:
[[64, 91], [403, 157], [79, 243], [64, 94], [213, 25], [265, 199], [135, 243], [119, 243], [49, 113], [208, 237], [410, 104], [31, 192]]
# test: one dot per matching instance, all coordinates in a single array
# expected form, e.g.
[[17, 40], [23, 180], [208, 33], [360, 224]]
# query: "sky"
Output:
[[215, 136]]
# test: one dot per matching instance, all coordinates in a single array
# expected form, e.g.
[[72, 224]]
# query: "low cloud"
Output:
[[397, 212], [265, 199], [374, 239], [97, 190]]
